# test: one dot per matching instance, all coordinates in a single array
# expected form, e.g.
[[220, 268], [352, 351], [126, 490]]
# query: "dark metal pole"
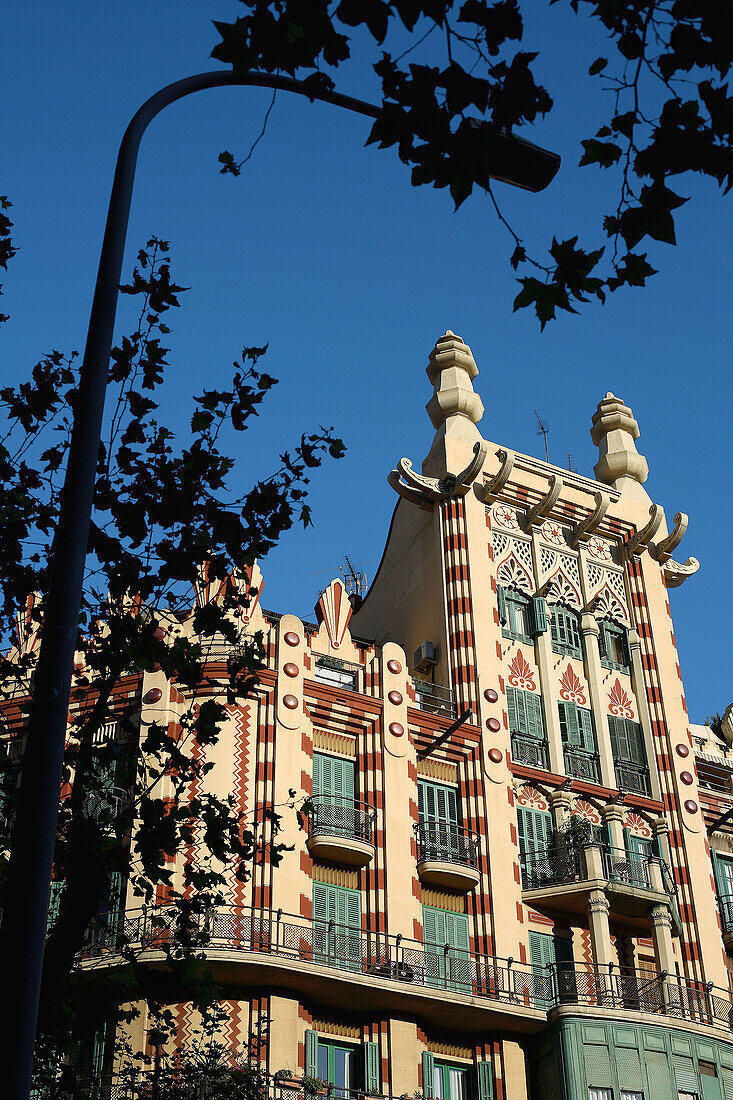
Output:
[[26, 897]]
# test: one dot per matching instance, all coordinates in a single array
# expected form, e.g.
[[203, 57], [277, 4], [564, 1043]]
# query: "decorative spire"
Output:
[[614, 431], [454, 409]]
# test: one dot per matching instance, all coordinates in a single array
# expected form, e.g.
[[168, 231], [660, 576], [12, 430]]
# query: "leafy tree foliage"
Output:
[[163, 507], [670, 111], [7, 250]]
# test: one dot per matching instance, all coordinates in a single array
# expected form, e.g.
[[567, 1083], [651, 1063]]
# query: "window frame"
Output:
[[609, 629], [558, 612], [514, 598]]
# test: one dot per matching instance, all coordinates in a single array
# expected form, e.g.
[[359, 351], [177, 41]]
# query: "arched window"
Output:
[[565, 631], [613, 645], [514, 614]]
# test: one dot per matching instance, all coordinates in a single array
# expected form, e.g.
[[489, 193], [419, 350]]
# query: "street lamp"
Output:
[[26, 896]]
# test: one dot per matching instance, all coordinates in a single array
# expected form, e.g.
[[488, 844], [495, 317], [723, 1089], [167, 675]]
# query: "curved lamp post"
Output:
[[26, 897]]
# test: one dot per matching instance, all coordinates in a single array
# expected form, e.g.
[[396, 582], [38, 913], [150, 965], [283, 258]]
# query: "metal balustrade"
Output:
[[337, 673], [582, 764], [551, 867], [633, 778], [629, 868], [410, 963], [339, 816], [206, 1082], [531, 751], [435, 699], [446, 843], [725, 907]]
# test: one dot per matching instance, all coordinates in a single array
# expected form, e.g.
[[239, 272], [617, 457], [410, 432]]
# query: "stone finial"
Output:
[[454, 409], [614, 431]]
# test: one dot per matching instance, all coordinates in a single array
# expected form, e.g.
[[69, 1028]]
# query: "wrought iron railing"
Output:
[[431, 966], [582, 764], [531, 751], [105, 807], [629, 868], [434, 698], [633, 778], [437, 840], [551, 867], [338, 816], [208, 1082], [337, 673], [725, 906]]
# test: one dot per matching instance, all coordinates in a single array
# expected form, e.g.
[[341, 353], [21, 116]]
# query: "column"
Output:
[[543, 649], [594, 672], [613, 819], [661, 925], [600, 934]]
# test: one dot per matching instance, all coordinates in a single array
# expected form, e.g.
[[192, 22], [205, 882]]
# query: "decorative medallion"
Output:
[[686, 778], [334, 611], [394, 667], [554, 532], [491, 696], [291, 638], [691, 806], [682, 750], [571, 688], [496, 756], [530, 796], [586, 811], [506, 517], [493, 724], [290, 669], [290, 701], [520, 674], [637, 825], [395, 697], [396, 729], [599, 548], [153, 696], [619, 702]]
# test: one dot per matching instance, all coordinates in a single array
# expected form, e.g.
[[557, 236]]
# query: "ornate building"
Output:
[[505, 888]]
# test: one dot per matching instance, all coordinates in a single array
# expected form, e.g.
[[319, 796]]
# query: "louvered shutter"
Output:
[[501, 605], [428, 1075], [541, 950], [602, 641], [98, 1052], [535, 722], [433, 922], [617, 732], [684, 1074], [320, 902], [626, 652], [535, 830], [116, 903], [546, 831], [484, 1078], [317, 775], [311, 1054], [54, 904], [511, 706], [456, 930], [570, 725], [537, 616], [637, 754], [371, 1068], [587, 729]]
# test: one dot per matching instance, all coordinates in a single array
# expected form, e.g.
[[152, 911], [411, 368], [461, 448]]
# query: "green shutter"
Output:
[[54, 904], [433, 922], [311, 1054], [537, 616], [511, 706], [501, 603], [333, 778], [617, 733], [625, 647], [484, 1089], [635, 737], [317, 774], [320, 902], [602, 641], [428, 1074], [536, 725], [535, 830], [587, 729], [456, 930], [541, 950], [570, 725], [99, 1050], [371, 1069]]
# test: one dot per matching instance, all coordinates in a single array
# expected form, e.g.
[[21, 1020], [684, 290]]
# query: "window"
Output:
[[638, 851], [437, 803], [634, 1095], [342, 1065], [600, 1094], [525, 713], [443, 1081], [330, 670], [446, 969], [334, 779], [336, 1066], [613, 646], [629, 754], [514, 614], [577, 727], [336, 926], [551, 959], [565, 631], [450, 1082], [536, 837]]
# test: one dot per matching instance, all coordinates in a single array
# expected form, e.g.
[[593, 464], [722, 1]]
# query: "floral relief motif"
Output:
[[571, 688], [511, 574], [530, 796], [637, 825], [599, 548], [619, 702], [606, 606], [553, 532], [561, 590], [520, 674], [506, 517], [586, 811]]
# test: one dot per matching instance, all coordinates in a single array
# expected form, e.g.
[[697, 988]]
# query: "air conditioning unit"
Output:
[[425, 657]]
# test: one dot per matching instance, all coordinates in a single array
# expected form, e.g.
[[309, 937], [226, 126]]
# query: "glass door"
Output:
[[336, 1066], [450, 1082]]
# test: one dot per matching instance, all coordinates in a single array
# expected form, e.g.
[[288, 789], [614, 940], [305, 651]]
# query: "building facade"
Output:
[[505, 886]]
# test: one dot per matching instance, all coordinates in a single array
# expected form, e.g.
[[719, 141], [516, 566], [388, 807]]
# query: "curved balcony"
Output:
[[531, 751], [340, 830], [447, 855]]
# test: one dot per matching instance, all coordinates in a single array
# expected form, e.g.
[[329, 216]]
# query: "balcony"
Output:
[[530, 751], [582, 764], [391, 973], [341, 830], [337, 673], [561, 878], [447, 855], [633, 778], [435, 699]]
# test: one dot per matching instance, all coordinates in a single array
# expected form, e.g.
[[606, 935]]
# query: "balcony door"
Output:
[[440, 833], [451, 1082], [336, 926], [337, 1067], [638, 851], [334, 785], [536, 847], [447, 956], [553, 969]]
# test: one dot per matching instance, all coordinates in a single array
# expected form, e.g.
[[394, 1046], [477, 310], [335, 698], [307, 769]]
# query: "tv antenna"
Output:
[[571, 465], [544, 430], [354, 582]]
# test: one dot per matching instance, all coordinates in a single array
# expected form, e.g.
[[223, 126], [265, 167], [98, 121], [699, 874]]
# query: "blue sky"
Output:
[[324, 249]]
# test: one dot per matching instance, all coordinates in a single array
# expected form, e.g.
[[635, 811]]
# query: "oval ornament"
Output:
[[691, 806], [686, 777], [493, 724], [291, 638], [290, 701], [491, 696], [290, 669], [496, 755], [394, 667], [682, 750], [395, 697], [153, 696], [396, 729]]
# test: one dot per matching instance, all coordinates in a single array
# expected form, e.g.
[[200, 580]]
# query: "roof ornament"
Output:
[[638, 543], [663, 550], [615, 431], [583, 530], [494, 487], [543, 507]]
